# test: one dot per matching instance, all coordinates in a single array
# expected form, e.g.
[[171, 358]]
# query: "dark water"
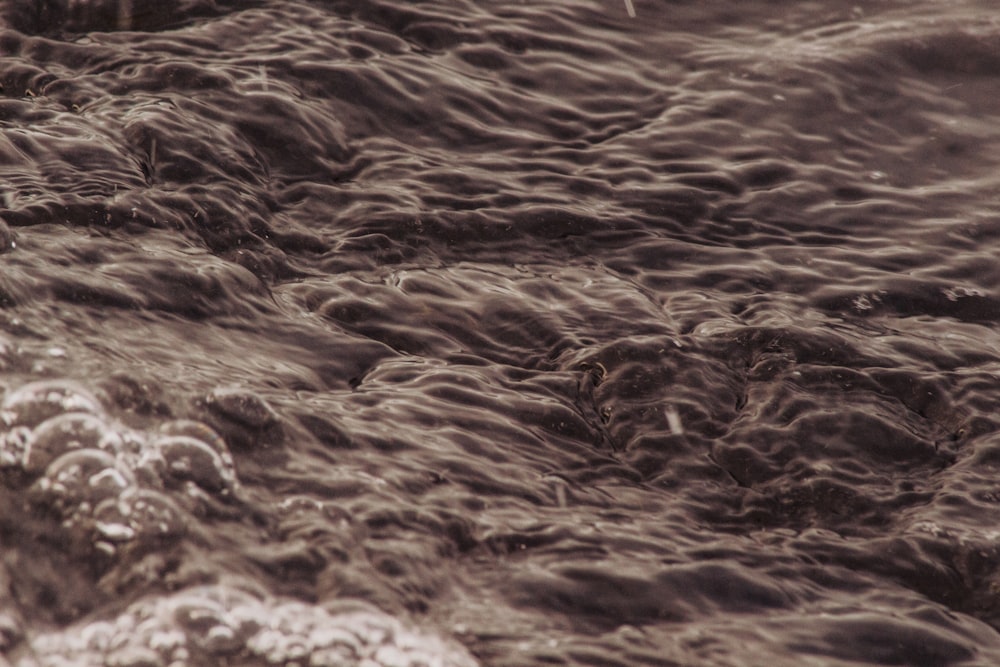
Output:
[[499, 333]]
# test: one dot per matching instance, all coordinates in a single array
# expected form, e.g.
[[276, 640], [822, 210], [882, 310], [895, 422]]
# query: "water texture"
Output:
[[496, 334]]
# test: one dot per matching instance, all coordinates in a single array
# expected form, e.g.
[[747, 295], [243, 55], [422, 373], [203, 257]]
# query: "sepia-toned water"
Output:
[[499, 334]]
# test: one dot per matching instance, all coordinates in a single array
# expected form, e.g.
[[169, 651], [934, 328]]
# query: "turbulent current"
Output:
[[462, 333]]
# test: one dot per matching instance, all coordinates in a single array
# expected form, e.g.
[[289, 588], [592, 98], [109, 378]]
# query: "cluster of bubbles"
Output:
[[113, 487], [108, 484], [220, 624]]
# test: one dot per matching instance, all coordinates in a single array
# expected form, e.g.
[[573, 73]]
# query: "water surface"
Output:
[[499, 334]]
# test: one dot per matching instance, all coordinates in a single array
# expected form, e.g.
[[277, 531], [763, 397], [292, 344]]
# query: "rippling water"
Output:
[[494, 334]]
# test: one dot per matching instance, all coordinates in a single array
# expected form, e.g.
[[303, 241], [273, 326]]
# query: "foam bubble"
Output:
[[189, 459], [199, 431], [213, 624], [79, 480], [114, 488], [33, 403], [66, 432], [109, 484], [140, 514]]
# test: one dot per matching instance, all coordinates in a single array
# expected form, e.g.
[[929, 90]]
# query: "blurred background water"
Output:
[[499, 333]]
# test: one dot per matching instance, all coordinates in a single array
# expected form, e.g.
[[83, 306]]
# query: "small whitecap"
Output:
[[862, 303], [960, 292]]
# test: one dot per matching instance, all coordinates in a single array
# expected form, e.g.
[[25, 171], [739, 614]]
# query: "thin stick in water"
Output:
[[125, 14], [630, 8]]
